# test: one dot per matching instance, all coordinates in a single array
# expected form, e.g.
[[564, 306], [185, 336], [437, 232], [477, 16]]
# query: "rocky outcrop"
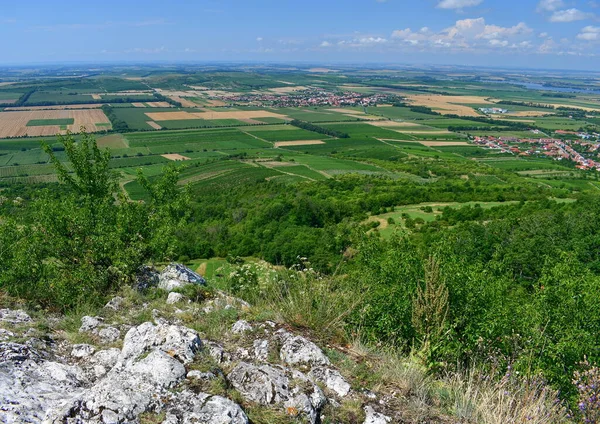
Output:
[[297, 350], [30, 384], [191, 408], [163, 369], [176, 276], [269, 385]]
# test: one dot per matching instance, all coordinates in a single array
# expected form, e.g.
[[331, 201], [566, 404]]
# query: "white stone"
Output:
[[261, 350], [89, 324], [174, 298], [332, 379], [297, 350], [375, 417], [240, 327], [176, 276], [82, 351], [109, 335], [116, 303]]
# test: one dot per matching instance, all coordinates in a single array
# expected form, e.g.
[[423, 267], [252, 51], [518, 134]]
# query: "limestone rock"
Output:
[[297, 350], [178, 341], [109, 335], [332, 379], [266, 385], [375, 417], [30, 385], [89, 324], [116, 303], [176, 275], [191, 408], [14, 316], [201, 375], [175, 298], [240, 327], [80, 351], [261, 350]]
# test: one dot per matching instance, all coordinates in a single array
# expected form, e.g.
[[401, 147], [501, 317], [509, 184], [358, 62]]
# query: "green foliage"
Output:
[[76, 246]]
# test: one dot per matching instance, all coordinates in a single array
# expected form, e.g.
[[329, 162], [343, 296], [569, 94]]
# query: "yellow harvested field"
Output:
[[61, 107], [158, 104], [14, 124], [96, 96], [286, 90], [529, 113], [154, 125], [138, 104], [433, 132], [443, 143], [298, 143], [184, 102], [177, 116], [175, 156], [447, 105], [2, 84]]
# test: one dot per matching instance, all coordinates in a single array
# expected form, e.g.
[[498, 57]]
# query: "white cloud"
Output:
[[569, 15], [259, 39], [457, 4], [550, 5], [325, 44], [543, 35], [589, 33], [467, 34]]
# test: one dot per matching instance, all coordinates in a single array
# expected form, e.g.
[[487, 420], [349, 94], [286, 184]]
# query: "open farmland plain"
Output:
[[301, 126]]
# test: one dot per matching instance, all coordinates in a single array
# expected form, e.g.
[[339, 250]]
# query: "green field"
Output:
[[44, 122]]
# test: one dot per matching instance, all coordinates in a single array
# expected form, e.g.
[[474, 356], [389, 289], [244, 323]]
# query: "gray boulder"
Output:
[[175, 298], [240, 327], [80, 351], [11, 316], [30, 384], [297, 350], [179, 342], [116, 303], [175, 276], [202, 408], [375, 417], [150, 363], [267, 385], [332, 379]]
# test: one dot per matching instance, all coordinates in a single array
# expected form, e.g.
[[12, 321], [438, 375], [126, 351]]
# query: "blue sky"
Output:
[[561, 34]]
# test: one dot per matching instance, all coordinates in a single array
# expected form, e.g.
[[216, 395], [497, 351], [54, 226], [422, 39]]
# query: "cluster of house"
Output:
[[308, 97], [549, 147], [493, 110]]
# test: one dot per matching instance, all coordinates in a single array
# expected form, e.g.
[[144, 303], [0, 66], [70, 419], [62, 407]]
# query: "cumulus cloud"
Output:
[[458, 4], [466, 34], [259, 39], [325, 44], [569, 15], [550, 5], [589, 33]]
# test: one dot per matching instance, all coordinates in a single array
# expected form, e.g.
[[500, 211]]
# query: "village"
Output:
[[578, 150], [307, 97]]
